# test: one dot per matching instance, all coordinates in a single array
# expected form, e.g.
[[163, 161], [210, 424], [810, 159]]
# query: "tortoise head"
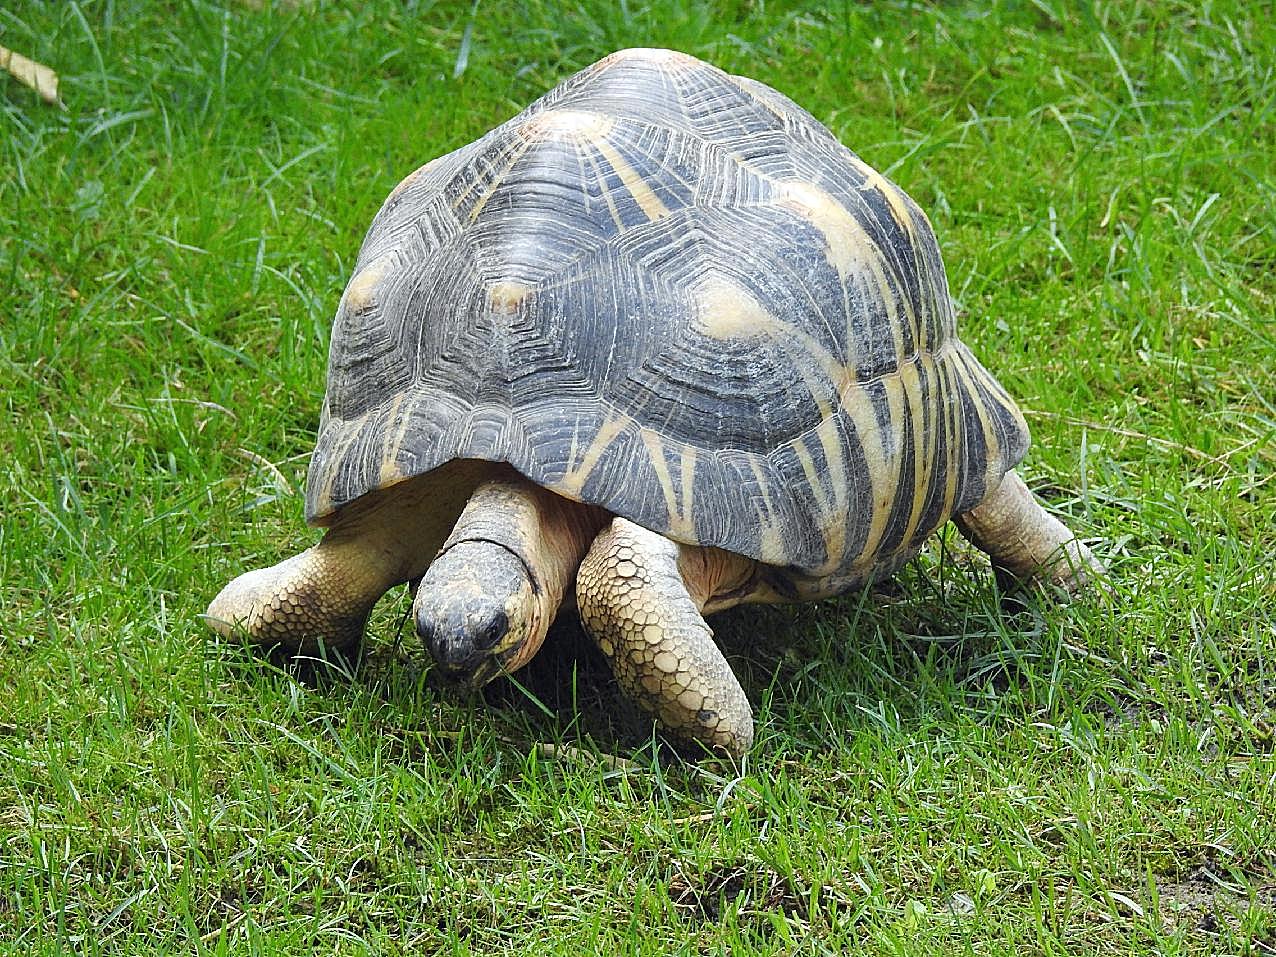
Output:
[[477, 611]]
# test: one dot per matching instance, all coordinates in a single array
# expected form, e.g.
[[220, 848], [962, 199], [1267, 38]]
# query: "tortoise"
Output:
[[662, 344]]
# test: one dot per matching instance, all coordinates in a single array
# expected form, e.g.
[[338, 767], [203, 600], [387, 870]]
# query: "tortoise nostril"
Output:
[[453, 657]]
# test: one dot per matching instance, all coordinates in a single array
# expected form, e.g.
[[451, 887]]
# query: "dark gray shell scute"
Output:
[[671, 293]]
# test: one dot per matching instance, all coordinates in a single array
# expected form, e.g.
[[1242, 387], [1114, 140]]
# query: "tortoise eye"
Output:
[[488, 635]]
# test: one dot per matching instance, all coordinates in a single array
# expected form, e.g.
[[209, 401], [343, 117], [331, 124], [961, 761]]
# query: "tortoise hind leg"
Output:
[[1026, 540], [640, 597]]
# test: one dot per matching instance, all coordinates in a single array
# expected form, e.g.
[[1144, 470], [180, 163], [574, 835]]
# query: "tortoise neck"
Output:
[[509, 531], [547, 532]]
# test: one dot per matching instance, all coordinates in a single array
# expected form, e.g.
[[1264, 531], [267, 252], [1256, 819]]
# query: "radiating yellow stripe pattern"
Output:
[[671, 293]]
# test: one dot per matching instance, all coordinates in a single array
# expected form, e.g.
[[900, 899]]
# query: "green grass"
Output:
[[934, 774]]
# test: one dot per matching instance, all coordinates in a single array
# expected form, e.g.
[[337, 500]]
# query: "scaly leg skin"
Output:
[[1026, 540], [640, 597], [322, 597]]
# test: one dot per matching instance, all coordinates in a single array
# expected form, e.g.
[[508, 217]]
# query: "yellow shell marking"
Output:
[[574, 478], [948, 390], [812, 476], [771, 540], [910, 378], [643, 194], [967, 376], [413, 177], [883, 462], [848, 247], [352, 429], [513, 153], [687, 468], [772, 543], [580, 125], [583, 127], [833, 506], [727, 311], [995, 392], [673, 58], [359, 293], [607, 196], [390, 472], [505, 297], [679, 524], [894, 196]]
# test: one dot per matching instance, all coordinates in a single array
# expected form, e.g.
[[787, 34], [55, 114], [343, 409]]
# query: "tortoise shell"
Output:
[[672, 293]]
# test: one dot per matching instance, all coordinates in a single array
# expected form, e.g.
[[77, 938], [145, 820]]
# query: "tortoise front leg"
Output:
[[320, 598], [1026, 540], [323, 596], [640, 597]]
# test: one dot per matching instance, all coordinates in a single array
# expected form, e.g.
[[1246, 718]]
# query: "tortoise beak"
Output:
[[477, 671], [487, 670]]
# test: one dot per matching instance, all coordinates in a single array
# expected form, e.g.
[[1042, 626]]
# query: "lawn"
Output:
[[939, 770]]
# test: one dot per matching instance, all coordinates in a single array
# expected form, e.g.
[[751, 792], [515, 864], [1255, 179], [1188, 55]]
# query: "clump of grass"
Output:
[[935, 772]]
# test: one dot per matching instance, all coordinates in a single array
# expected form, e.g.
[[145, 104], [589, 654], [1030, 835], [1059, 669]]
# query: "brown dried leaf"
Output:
[[37, 76]]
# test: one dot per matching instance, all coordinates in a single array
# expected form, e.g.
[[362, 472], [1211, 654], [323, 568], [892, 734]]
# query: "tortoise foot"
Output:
[[1027, 541], [300, 606]]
